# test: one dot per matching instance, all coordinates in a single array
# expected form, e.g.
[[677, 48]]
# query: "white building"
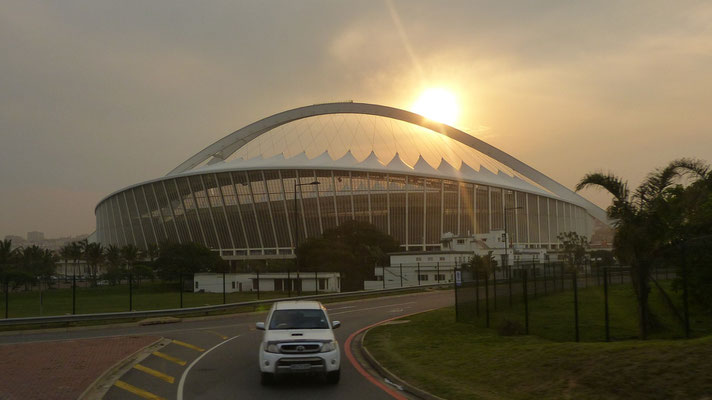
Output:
[[412, 268], [328, 282]]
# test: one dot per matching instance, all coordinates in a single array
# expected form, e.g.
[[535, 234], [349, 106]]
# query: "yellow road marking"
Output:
[[157, 374], [188, 345], [169, 358], [137, 391], [220, 335]]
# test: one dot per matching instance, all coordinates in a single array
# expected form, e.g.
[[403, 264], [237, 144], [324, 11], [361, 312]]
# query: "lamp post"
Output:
[[296, 231], [506, 246]]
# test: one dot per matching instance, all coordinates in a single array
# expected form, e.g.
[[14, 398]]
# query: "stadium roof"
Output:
[[369, 137]]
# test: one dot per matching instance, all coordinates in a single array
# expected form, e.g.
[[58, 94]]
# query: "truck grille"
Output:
[[299, 348]]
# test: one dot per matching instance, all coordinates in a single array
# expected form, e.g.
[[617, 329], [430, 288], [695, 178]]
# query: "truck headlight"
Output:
[[271, 348], [328, 346]]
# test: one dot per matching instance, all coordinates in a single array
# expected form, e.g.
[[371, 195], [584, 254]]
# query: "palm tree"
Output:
[[640, 222], [94, 255], [7, 255], [130, 254], [75, 254], [65, 253]]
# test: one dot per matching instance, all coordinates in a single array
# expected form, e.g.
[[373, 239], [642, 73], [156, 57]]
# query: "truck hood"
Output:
[[289, 335]]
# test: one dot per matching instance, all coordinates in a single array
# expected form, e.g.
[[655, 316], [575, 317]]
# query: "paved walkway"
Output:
[[61, 369]]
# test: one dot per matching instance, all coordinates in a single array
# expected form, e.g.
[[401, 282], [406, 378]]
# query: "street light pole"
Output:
[[296, 230], [506, 236]]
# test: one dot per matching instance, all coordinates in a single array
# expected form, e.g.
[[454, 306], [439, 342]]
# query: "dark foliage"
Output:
[[354, 248]]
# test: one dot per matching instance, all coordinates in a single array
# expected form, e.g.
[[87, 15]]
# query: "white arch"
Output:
[[223, 148]]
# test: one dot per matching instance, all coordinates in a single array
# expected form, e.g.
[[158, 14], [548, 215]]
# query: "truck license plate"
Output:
[[300, 367]]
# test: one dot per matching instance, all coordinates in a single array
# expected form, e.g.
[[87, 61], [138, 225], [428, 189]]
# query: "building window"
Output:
[[423, 277], [233, 284], [440, 277], [418, 258], [442, 258], [460, 241], [322, 283]]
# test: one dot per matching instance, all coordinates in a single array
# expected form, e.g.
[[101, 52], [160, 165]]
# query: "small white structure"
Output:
[[410, 275], [327, 282]]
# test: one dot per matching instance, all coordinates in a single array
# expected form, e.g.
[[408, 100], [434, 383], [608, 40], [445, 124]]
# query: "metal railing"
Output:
[[200, 309]]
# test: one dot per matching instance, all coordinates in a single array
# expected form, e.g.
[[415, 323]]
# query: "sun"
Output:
[[439, 105]]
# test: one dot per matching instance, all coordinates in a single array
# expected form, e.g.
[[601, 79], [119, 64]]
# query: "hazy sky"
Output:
[[95, 96]]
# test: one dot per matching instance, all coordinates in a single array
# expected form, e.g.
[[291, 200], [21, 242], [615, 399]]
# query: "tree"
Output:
[[75, 254], [94, 256], [574, 249], [483, 266], [130, 254], [8, 259], [65, 253], [114, 272], [353, 249], [187, 258], [641, 224]]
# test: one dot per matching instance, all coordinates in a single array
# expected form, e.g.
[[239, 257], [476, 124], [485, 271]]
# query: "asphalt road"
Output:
[[217, 358]]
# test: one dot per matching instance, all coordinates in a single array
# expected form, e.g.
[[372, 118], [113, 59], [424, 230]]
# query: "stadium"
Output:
[[259, 190]]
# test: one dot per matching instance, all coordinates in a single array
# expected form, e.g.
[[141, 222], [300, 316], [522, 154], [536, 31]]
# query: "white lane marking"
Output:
[[371, 308], [185, 373], [248, 324], [339, 308]]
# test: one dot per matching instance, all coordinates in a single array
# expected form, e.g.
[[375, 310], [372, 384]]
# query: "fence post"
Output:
[[605, 296], [316, 280], [180, 290], [487, 315], [494, 288], [418, 274], [545, 283], [7, 297], [74, 291], [509, 279], [576, 316], [289, 282], [130, 292], [401, 273], [685, 308], [457, 314], [477, 291], [525, 284]]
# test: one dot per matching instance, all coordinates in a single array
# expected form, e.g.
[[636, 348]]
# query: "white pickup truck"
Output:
[[298, 339]]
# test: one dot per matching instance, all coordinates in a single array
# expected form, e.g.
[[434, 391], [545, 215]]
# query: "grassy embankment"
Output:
[[115, 299], [468, 361]]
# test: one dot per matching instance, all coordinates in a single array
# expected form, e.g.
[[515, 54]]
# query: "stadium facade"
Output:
[[412, 177]]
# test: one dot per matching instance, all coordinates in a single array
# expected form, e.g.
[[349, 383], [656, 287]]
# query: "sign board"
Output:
[[458, 278]]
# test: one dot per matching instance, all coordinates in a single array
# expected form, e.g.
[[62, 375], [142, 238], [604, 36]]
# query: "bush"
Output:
[[510, 328]]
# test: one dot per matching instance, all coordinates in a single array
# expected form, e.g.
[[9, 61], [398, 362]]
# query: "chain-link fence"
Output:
[[590, 303]]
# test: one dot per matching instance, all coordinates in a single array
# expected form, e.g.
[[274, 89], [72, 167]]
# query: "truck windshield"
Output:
[[298, 319]]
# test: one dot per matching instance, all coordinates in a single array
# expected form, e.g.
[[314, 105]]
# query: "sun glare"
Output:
[[439, 105]]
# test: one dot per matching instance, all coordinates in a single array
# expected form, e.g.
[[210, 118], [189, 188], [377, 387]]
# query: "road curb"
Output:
[[103, 383], [384, 372]]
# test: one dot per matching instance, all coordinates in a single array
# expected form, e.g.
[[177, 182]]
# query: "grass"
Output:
[[552, 316], [148, 296], [104, 299], [465, 361]]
